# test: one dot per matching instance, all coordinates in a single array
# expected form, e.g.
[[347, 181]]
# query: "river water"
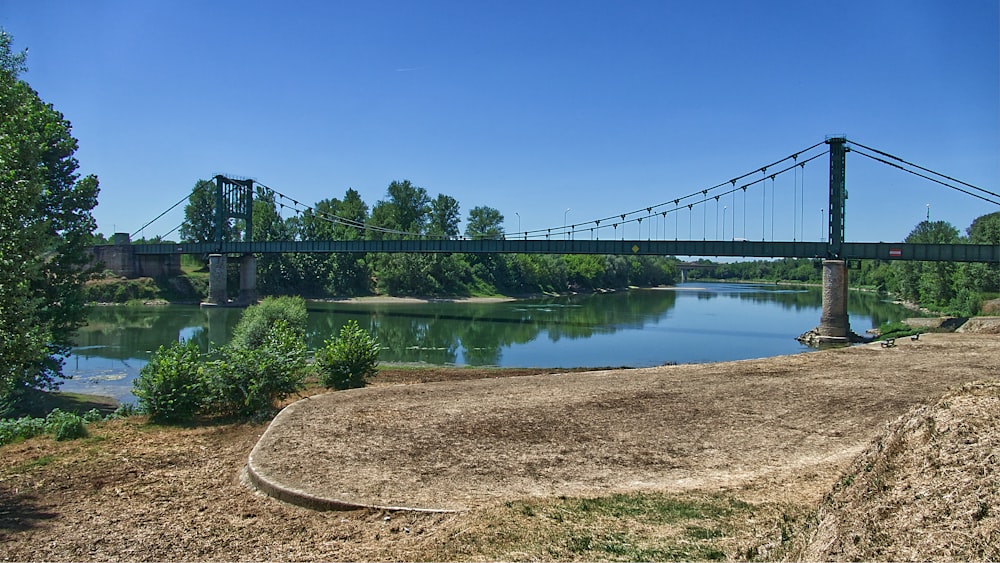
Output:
[[689, 323]]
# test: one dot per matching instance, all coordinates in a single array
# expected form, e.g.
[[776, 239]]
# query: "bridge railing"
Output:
[[733, 248]]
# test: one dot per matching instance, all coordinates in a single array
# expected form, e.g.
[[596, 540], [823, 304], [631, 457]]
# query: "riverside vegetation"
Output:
[[264, 363], [247, 379]]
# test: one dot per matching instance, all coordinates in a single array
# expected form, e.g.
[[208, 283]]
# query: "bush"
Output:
[[65, 425], [258, 319], [897, 330], [350, 360], [250, 381], [172, 386]]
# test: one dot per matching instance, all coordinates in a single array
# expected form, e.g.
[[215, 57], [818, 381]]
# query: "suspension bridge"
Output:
[[234, 201]]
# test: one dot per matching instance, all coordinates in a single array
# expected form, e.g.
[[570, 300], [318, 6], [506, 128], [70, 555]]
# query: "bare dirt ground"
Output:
[[780, 432]]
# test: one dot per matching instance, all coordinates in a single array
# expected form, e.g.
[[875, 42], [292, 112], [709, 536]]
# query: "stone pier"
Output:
[[218, 278], [834, 325], [248, 280], [217, 275]]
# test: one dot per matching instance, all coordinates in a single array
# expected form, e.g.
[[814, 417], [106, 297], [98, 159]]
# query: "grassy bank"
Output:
[[189, 287]]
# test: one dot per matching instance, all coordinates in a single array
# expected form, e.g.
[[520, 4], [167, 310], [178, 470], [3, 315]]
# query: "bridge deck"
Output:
[[734, 248]]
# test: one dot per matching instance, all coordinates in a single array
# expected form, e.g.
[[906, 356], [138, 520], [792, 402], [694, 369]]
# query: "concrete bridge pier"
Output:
[[248, 280], [218, 278], [217, 268], [834, 325]]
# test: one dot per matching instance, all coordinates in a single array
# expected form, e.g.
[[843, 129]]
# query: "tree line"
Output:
[[407, 212]]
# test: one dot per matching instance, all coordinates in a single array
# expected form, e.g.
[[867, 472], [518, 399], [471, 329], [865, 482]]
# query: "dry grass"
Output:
[[928, 488]]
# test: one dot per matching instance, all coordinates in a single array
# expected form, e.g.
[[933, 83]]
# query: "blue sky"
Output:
[[529, 107]]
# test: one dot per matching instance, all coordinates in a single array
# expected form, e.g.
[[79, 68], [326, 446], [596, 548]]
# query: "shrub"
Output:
[[897, 329], [65, 425], [124, 410], [172, 386], [250, 381], [349, 360], [257, 320]]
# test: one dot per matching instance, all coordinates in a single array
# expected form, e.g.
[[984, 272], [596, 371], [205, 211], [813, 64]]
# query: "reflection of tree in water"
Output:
[[582, 316], [444, 333], [413, 339], [859, 303], [434, 333], [484, 330], [134, 332]]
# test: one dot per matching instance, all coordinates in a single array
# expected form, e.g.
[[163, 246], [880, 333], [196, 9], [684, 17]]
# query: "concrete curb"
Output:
[[272, 486]]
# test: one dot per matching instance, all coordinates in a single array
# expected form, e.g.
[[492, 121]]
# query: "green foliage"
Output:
[[172, 387], [257, 320], [65, 425], [484, 223], [405, 210], [111, 289], [17, 429], [444, 217], [45, 225], [264, 363], [249, 381], [897, 330], [349, 360], [10, 61], [199, 216], [274, 271], [62, 425], [806, 270]]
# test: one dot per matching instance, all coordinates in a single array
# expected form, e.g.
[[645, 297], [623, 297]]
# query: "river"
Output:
[[689, 323]]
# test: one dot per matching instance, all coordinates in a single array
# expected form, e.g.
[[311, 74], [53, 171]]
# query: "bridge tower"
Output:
[[834, 325], [233, 200]]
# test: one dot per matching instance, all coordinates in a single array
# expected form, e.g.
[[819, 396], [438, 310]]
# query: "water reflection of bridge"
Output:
[[685, 267]]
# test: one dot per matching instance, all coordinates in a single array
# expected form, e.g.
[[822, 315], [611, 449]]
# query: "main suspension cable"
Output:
[[887, 155], [926, 177], [185, 198]]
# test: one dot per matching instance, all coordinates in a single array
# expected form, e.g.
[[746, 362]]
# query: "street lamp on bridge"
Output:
[[564, 221]]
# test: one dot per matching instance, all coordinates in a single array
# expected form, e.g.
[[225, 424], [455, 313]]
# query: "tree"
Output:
[[984, 230], [484, 222], [275, 272], [444, 217], [352, 213], [338, 273], [45, 226], [405, 210], [928, 283], [199, 214]]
